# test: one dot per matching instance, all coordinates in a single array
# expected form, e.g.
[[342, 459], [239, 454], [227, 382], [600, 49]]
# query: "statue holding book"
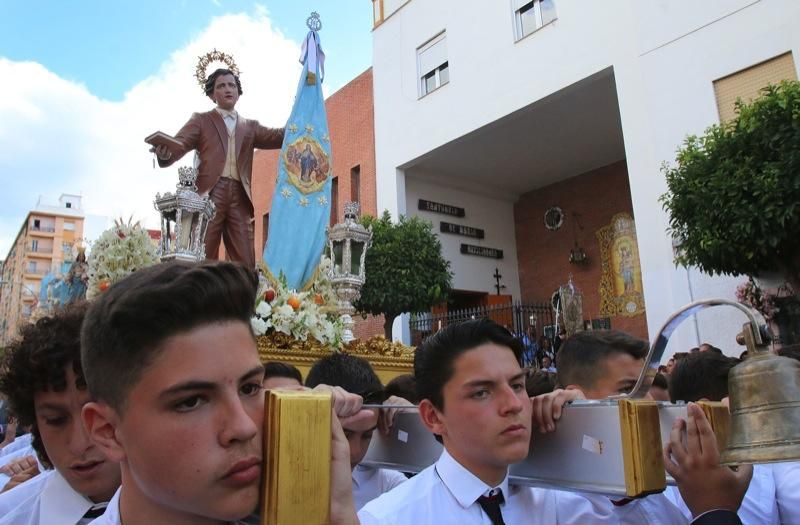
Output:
[[224, 142]]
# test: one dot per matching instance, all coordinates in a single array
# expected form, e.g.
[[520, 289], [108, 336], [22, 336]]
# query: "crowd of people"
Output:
[[147, 406]]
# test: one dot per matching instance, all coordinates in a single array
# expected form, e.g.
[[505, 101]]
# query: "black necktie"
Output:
[[96, 511], [491, 506]]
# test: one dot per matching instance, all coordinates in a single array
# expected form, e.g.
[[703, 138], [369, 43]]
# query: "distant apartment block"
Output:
[[43, 245]]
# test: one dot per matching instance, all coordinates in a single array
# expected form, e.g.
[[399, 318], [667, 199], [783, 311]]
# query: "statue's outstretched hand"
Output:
[[162, 152]]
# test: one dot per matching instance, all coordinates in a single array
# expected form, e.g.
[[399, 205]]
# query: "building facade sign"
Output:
[[460, 229], [438, 207], [481, 251]]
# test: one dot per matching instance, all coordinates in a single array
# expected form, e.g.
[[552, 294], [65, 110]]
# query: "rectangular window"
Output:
[[264, 229], [334, 200], [433, 66], [34, 245], [355, 184], [69, 226], [30, 290], [377, 12], [532, 15], [66, 247], [37, 224], [69, 205], [32, 267]]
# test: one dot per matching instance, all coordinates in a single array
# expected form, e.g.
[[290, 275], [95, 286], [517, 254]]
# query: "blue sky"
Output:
[[111, 45], [93, 77]]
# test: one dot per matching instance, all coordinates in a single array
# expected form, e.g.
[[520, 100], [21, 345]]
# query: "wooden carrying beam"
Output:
[[297, 451], [608, 447]]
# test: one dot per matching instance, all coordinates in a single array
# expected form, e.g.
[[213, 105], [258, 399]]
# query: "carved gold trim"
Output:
[[377, 350]]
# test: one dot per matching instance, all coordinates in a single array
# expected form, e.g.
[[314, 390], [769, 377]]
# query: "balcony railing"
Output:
[[45, 250]]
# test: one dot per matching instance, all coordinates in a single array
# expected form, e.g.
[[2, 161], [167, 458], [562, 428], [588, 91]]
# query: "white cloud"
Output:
[[57, 137]]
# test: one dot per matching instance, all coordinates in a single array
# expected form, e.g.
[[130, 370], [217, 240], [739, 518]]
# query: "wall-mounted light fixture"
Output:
[[577, 255]]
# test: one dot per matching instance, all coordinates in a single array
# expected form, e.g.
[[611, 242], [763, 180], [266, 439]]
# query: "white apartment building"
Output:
[[495, 107]]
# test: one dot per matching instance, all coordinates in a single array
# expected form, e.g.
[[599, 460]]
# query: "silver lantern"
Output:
[[184, 220], [348, 243]]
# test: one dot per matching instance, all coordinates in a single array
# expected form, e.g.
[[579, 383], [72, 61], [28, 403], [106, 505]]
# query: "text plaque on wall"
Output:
[[481, 251], [438, 207], [459, 229]]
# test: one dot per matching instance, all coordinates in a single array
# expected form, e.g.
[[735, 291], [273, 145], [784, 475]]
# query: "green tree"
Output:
[[405, 270], [734, 196]]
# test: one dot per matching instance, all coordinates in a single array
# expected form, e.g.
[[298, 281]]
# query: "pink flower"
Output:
[[749, 294]]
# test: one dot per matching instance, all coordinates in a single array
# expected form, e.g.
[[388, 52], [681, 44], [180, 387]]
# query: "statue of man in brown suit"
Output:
[[225, 141]]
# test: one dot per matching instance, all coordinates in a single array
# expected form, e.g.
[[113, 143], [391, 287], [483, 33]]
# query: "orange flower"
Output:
[[104, 284], [294, 302], [318, 299]]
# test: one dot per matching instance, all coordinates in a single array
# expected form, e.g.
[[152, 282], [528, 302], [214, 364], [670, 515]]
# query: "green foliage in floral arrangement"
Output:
[[405, 270], [118, 252], [305, 315], [734, 195]]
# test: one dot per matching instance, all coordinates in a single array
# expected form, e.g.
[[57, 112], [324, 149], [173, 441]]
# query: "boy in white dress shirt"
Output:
[[472, 391], [172, 365], [44, 382], [356, 375]]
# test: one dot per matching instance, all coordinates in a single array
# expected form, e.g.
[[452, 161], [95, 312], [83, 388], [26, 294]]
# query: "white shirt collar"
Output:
[[112, 515], [362, 475], [60, 503], [225, 113], [465, 487]]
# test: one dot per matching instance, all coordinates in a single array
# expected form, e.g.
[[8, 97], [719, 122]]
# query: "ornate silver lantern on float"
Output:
[[348, 243], [184, 220]]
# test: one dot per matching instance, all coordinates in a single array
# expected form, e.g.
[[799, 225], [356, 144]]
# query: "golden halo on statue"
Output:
[[204, 61]]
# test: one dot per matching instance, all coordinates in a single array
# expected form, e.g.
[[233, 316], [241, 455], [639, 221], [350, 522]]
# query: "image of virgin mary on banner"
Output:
[[301, 203]]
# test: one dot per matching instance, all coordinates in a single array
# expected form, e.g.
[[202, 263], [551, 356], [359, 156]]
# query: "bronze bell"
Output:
[[765, 405]]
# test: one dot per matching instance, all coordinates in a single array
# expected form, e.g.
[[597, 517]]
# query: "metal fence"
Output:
[[518, 317]]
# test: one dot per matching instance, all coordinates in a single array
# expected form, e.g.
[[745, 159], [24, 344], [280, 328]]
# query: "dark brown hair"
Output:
[[212, 80], [404, 386], [702, 375], [579, 361], [38, 362], [350, 372], [126, 325], [434, 360], [281, 369]]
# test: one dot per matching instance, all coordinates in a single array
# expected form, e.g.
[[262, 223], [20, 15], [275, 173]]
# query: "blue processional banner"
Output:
[[301, 203]]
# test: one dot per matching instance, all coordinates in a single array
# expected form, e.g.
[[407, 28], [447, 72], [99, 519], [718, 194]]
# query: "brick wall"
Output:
[[543, 255], [366, 328]]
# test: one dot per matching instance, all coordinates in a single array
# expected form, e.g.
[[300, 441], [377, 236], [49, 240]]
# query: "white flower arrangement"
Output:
[[118, 252], [301, 315]]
